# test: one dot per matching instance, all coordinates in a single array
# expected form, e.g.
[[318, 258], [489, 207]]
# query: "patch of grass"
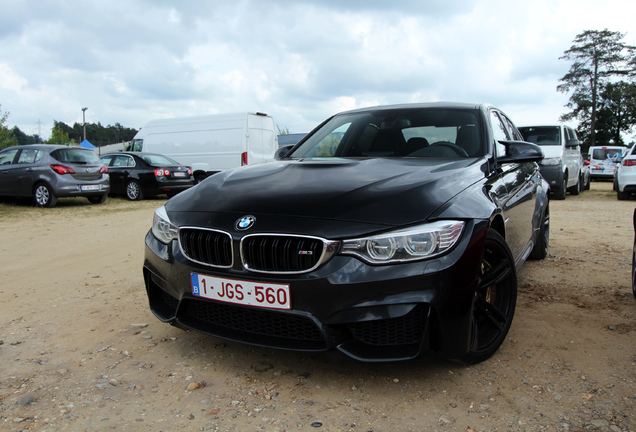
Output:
[[11, 209]]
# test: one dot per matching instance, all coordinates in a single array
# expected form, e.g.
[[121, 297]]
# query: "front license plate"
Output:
[[89, 187], [260, 294]]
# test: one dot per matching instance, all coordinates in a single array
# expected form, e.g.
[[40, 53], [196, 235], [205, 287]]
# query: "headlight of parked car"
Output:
[[162, 228], [551, 161], [415, 243]]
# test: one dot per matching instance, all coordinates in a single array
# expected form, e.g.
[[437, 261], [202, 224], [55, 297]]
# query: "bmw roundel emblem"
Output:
[[245, 222]]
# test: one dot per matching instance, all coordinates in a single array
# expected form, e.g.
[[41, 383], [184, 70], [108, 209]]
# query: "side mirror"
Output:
[[572, 143], [282, 152], [521, 151]]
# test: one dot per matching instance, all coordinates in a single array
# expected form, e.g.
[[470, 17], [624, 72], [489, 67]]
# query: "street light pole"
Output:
[[84, 120]]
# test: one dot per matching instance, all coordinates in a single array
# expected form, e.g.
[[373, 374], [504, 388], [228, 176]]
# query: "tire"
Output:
[[559, 194], [43, 195], [588, 183], [494, 302], [133, 191], [540, 249], [622, 196], [99, 199], [576, 189]]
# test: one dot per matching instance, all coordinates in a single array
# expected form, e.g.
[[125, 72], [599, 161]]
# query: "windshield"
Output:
[[607, 153], [412, 132], [543, 135], [76, 156]]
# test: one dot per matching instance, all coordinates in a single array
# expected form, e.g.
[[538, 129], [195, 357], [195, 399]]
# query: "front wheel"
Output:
[[560, 193], [133, 191], [495, 300], [43, 195]]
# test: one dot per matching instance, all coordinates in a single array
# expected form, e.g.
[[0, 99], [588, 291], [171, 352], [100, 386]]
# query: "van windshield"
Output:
[[542, 135]]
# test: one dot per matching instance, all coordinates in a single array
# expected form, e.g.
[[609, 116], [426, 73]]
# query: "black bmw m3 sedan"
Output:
[[385, 234]]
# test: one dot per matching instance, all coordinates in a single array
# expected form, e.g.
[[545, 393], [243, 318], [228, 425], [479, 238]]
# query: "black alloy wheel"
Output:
[[495, 300], [133, 191], [43, 195]]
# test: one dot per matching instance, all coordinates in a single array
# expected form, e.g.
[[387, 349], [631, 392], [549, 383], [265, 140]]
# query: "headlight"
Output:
[[420, 242], [551, 161], [162, 228]]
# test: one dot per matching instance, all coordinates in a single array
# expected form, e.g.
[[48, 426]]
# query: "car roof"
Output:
[[130, 153], [440, 105], [46, 147]]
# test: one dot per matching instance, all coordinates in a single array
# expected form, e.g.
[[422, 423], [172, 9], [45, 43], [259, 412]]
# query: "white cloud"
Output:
[[301, 61]]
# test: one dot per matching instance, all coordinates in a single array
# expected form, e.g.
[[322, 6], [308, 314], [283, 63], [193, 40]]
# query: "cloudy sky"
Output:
[[131, 61]]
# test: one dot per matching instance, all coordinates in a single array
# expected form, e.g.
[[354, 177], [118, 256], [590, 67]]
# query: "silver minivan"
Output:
[[561, 166], [47, 172]]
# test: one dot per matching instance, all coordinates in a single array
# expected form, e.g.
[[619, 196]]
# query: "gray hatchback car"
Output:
[[47, 172]]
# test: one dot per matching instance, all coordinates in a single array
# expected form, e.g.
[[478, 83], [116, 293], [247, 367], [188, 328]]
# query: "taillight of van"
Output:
[[243, 158]]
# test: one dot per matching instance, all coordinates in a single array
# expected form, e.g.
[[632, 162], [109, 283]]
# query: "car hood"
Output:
[[552, 151], [389, 192]]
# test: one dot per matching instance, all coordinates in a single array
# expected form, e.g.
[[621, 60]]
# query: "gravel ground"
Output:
[[80, 350]]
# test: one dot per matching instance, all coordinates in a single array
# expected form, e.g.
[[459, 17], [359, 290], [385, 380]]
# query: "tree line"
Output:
[[61, 133], [602, 84]]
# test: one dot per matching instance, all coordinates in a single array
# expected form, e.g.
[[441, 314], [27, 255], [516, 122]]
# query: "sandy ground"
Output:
[[80, 350]]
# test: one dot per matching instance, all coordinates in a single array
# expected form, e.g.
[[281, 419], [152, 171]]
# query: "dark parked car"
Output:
[[47, 172], [387, 233], [137, 174]]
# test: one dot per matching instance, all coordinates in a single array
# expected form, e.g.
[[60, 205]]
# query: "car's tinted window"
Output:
[[449, 133], [6, 157], [75, 155], [544, 135], [607, 153], [159, 160]]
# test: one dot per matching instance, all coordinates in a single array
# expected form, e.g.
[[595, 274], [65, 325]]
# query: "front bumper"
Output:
[[553, 174], [370, 313]]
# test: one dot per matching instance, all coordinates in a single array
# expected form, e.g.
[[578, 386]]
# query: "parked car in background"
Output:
[[603, 161], [585, 174], [561, 167], [137, 174], [386, 234], [48, 172], [625, 175], [211, 143], [290, 139]]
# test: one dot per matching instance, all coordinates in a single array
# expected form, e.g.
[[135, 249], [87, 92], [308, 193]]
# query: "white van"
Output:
[[603, 160], [561, 166], [211, 143]]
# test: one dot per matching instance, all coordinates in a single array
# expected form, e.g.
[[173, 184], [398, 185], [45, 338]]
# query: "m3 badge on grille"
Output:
[[244, 223]]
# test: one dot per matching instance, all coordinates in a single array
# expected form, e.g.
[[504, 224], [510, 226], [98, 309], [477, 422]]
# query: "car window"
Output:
[[158, 160], [424, 132], [123, 161], [7, 157], [29, 156], [76, 156], [106, 160], [512, 129], [499, 132]]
